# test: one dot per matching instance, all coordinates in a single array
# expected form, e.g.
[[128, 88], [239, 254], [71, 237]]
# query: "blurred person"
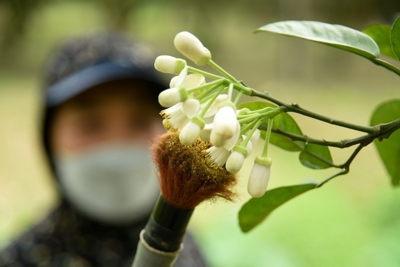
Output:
[[100, 115]]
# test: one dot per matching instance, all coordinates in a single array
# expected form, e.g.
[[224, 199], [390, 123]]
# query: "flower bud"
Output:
[[172, 96], [169, 64], [191, 131], [259, 177], [191, 47], [169, 97], [236, 159]]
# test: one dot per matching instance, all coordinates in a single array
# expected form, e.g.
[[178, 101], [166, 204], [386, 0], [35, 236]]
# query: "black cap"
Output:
[[86, 61]]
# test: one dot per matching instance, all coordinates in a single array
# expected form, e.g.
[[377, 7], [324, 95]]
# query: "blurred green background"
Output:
[[352, 221]]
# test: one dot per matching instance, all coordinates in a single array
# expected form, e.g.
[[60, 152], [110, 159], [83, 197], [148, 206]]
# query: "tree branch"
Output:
[[297, 109], [382, 131]]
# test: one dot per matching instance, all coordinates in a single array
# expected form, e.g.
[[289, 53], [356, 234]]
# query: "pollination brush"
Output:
[[187, 177]]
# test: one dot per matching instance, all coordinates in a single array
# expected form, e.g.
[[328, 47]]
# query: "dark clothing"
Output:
[[68, 239]]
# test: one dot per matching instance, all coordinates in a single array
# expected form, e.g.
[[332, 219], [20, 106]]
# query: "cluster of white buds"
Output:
[[206, 110]]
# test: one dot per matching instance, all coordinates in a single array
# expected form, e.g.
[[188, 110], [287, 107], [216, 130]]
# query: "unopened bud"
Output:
[[191, 131], [191, 47], [169, 64], [236, 159], [259, 177], [172, 96]]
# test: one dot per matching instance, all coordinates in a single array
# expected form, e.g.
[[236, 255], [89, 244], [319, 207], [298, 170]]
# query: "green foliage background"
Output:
[[353, 221]]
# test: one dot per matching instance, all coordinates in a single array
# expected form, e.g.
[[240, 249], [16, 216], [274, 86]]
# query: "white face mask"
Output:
[[113, 183]]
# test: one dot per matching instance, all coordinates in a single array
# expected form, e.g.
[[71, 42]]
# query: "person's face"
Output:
[[116, 111]]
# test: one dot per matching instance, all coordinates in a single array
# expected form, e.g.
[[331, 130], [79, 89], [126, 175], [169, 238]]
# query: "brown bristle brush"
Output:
[[187, 177]]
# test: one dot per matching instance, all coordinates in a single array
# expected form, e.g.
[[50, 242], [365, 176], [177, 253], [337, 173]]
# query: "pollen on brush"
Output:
[[187, 176]]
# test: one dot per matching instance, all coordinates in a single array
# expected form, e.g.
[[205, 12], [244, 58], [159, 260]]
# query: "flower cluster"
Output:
[[207, 110]]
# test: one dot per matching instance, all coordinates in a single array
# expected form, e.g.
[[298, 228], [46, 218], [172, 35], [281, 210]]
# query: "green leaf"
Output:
[[381, 35], [333, 35], [283, 122], [395, 37], [256, 210], [389, 149], [316, 157], [286, 123]]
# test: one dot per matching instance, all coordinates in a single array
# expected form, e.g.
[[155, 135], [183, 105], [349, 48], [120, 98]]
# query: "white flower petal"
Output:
[[193, 81], [191, 107], [181, 78], [255, 136], [249, 148], [231, 142], [172, 83]]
